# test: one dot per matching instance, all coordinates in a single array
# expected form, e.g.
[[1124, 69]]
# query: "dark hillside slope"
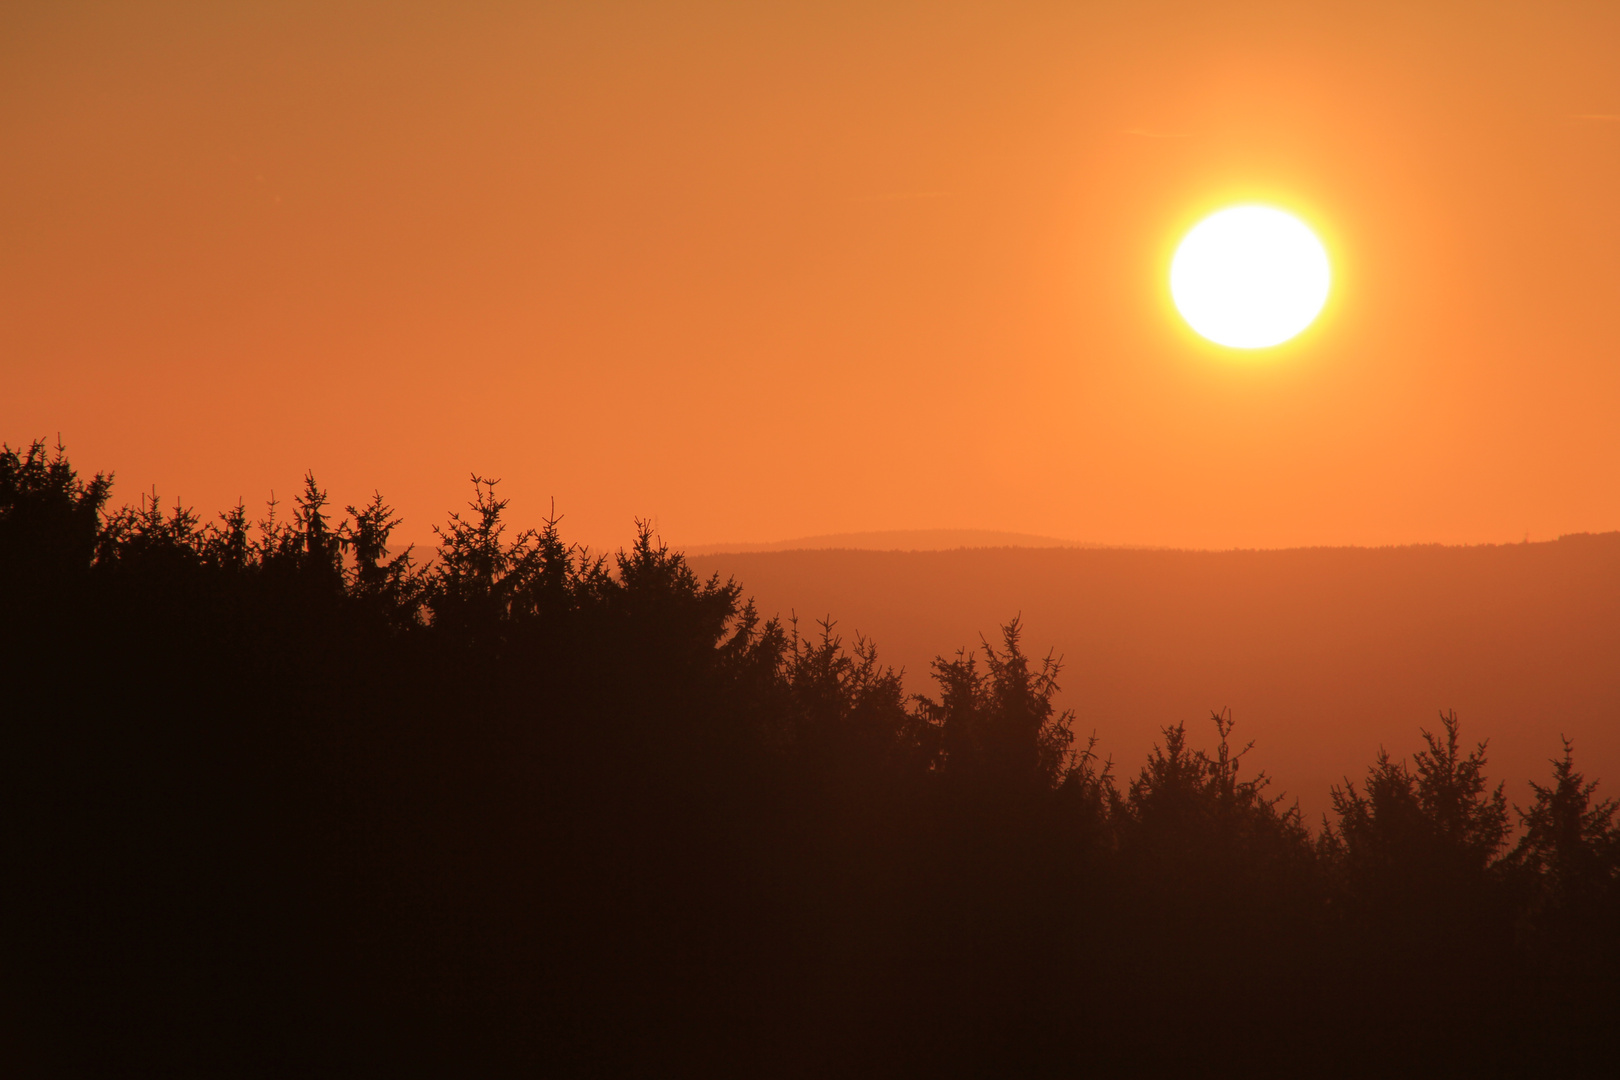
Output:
[[1323, 654]]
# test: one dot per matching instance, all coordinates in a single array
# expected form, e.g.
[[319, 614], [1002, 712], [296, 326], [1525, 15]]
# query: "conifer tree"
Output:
[[1571, 845]]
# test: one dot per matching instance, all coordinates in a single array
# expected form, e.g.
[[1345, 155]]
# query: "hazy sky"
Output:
[[759, 271]]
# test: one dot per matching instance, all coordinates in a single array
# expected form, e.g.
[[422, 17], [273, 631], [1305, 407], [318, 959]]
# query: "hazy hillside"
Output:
[[1322, 654]]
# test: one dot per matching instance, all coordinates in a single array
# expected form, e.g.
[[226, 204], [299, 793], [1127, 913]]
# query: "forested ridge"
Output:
[[282, 799]]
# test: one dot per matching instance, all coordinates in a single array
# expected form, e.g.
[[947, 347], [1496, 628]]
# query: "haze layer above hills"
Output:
[[1323, 654]]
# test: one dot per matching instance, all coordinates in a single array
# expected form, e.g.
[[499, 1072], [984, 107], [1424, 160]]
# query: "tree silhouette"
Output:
[[50, 520], [1441, 823], [1000, 726], [1568, 863], [1199, 802], [1216, 881], [1570, 843]]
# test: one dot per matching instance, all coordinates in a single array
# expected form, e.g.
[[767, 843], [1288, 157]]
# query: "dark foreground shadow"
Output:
[[280, 800]]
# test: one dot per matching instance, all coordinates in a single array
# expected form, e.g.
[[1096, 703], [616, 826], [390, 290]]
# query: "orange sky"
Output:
[[760, 271]]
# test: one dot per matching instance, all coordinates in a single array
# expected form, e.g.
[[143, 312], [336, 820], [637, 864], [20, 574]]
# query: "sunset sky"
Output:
[[762, 271]]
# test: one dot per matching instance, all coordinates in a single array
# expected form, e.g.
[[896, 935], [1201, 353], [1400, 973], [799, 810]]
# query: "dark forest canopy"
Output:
[[277, 793]]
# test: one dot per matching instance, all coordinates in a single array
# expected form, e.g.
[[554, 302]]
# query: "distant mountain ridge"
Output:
[[896, 540]]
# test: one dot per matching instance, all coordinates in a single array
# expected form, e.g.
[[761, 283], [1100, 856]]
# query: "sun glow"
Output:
[[1249, 277]]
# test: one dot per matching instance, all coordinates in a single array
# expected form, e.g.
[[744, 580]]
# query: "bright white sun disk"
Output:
[[1249, 277]]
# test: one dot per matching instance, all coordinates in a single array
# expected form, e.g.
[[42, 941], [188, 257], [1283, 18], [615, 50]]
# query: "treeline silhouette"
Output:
[[281, 799]]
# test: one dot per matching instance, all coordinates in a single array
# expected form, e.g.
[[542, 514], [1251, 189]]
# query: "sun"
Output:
[[1249, 277]]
